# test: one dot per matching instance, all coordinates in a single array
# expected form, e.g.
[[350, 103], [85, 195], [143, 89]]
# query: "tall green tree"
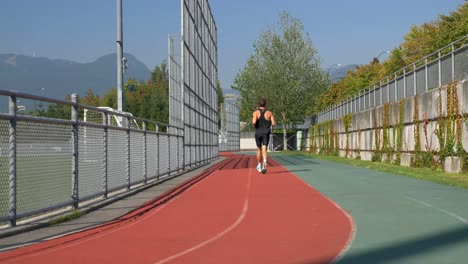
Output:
[[160, 93], [285, 69]]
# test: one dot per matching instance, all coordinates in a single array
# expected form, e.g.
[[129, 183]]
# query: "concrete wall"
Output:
[[362, 131], [247, 144]]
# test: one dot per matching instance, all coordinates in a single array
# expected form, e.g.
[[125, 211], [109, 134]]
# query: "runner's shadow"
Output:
[[397, 253]]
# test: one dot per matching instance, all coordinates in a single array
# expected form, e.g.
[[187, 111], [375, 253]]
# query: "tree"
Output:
[[220, 101], [285, 69], [91, 98], [110, 98]]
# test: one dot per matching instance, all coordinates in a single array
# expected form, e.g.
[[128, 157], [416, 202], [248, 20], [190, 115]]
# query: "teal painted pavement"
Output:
[[397, 219]]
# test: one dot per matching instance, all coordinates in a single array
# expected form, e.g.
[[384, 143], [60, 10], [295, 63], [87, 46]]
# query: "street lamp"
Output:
[[329, 68], [381, 53]]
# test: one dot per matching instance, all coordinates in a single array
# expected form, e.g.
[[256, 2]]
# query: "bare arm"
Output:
[[273, 123], [254, 118]]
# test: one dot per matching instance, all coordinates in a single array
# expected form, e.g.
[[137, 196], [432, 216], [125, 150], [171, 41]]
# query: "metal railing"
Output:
[[47, 163], [439, 68]]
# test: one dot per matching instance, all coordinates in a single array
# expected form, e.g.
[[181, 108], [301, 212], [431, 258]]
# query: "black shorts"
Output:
[[262, 139]]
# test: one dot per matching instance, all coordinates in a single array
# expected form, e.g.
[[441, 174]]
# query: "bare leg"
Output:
[[259, 155], [264, 152]]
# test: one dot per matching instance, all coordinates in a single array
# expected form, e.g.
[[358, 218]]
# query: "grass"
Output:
[[68, 217], [428, 174]]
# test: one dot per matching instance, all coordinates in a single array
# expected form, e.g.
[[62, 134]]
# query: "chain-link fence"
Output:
[[229, 134], [435, 70], [50, 162], [199, 80]]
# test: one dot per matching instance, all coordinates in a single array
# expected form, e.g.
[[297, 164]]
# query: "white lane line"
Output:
[[463, 220], [221, 234]]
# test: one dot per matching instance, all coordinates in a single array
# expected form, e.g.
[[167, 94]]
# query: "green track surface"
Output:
[[397, 219]]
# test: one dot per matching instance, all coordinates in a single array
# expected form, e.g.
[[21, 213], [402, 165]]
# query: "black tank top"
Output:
[[262, 126]]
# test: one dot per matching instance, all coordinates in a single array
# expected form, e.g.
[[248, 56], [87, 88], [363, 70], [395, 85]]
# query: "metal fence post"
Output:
[[177, 148], [404, 82], [74, 117], [128, 152], [453, 62], [396, 87], [388, 90], [359, 98], [105, 151], [145, 150], [375, 91], [381, 91], [440, 68], [158, 151], [414, 79], [168, 153], [370, 97], [12, 162], [426, 80]]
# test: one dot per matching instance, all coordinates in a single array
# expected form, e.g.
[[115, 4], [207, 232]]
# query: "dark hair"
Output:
[[262, 102]]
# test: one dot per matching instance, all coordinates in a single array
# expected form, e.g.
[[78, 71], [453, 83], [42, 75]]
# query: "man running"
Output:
[[262, 120]]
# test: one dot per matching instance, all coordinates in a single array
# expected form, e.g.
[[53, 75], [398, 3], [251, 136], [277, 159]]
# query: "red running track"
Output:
[[229, 214]]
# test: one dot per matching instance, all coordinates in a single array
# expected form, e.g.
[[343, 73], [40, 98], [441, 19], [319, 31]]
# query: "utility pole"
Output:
[[120, 59]]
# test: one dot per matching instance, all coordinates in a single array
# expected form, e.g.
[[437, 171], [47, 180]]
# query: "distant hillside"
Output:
[[337, 73], [61, 77]]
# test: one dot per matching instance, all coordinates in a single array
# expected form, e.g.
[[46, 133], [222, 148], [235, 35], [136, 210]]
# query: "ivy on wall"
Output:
[[449, 127], [399, 131]]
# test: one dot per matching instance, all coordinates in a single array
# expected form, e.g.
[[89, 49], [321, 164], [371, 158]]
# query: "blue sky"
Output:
[[345, 32]]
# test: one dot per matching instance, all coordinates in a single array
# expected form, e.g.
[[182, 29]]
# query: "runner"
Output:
[[262, 120]]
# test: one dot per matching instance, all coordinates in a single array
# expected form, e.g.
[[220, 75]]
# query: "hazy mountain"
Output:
[[61, 77], [337, 73]]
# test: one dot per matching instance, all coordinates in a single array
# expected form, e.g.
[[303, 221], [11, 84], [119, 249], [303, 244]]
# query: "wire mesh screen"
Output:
[[117, 158], [391, 91], [446, 68], [91, 160], [137, 157], [400, 88], [4, 153], [175, 82], [421, 80], [173, 158], [200, 75], [410, 84], [44, 163], [163, 154], [152, 155], [461, 63], [433, 75]]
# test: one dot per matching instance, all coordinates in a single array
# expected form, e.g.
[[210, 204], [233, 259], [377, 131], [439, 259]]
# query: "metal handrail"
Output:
[[398, 73]]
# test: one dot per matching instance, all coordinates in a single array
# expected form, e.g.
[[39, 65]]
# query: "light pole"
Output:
[[382, 53], [329, 68], [333, 65], [120, 59]]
